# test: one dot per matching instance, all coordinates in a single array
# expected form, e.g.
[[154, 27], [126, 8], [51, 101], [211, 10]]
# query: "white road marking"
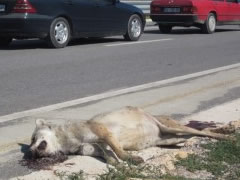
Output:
[[138, 42], [104, 95]]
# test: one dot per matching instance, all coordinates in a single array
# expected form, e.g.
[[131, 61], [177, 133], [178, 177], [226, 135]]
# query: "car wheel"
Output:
[[59, 34], [5, 41], [165, 29], [134, 29], [209, 26]]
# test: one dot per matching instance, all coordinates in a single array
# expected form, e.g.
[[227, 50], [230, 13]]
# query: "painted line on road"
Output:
[[110, 94], [138, 42]]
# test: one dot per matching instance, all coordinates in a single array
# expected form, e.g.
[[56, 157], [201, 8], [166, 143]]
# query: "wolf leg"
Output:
[[171, 141], [97, 150], [168, 125], [107, 137]]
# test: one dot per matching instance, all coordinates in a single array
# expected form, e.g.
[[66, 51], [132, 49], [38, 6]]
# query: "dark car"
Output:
[[57, 21]]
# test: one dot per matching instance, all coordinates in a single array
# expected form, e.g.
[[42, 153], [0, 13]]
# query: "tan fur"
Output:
[[123, 130]]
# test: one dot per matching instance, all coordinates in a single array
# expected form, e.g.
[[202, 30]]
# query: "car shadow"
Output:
[[88, 41], [41, 44], [188, 31], [226, 30]]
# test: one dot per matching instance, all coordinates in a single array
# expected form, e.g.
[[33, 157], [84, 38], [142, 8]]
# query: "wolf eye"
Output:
[[42, 146]]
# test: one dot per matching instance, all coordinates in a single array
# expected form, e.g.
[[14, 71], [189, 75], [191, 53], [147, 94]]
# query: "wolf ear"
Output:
[[40, 122]]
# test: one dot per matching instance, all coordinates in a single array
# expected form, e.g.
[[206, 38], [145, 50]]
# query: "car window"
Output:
[[218, 0]]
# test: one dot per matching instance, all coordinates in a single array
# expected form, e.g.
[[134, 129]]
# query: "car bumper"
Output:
[[24, 25], [181, 20]]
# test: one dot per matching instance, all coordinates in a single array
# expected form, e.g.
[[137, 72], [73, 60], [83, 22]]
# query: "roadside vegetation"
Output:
[[132, 172], [220, 158], [127, 171]]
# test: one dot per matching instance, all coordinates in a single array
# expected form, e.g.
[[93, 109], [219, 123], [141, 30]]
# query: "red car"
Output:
[[205, 14]]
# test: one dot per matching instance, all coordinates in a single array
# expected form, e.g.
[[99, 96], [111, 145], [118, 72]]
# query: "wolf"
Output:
[[123, 130]]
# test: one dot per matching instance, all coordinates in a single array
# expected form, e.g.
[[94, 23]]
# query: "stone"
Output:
[[182, 154]]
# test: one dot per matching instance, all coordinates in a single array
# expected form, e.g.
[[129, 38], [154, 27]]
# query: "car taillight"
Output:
[[189, 9], [23, 6], [155, 9]]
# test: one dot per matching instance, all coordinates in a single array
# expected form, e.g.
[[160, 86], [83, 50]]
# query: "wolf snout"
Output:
[[32, 152]]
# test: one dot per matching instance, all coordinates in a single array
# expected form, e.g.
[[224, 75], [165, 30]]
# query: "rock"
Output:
[[200, 175], [182, 154], [165, 162], [194, 141]]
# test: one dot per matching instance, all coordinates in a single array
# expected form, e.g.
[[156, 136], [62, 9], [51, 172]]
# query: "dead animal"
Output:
[[127, 129]]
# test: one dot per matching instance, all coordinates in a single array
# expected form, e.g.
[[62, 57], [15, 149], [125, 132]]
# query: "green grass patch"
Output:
[[170, 177], [221, 158], [72, 176], [129, 170]]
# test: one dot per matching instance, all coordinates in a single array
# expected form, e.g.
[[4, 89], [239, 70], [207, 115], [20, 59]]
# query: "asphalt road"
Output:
[[33, 76]]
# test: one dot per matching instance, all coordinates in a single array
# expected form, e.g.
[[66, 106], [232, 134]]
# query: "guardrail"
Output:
[[142, 4]]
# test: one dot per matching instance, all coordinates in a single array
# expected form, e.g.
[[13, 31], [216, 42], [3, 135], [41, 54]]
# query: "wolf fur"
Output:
[[127, 129]]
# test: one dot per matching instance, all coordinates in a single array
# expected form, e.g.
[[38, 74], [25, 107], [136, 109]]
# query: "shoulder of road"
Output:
[[211, 96]]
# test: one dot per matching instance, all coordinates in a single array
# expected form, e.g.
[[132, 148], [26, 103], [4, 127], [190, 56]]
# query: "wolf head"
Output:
[[44, 141]]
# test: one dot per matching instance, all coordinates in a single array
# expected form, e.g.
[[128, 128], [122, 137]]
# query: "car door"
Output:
[[236, 10], [221, 9], [82, 13], [111, 18], [233, 10]]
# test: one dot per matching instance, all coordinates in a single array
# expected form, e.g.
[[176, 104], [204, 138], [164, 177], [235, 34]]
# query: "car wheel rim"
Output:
[[136, 27], [212, 23], [61, 32]]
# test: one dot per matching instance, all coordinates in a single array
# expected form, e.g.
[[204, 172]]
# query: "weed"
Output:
[[170, 177], [72, 176], [125, 172], [128, 170], [221, 158]]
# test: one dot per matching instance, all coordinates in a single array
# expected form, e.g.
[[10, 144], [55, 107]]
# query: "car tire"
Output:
[[5, 41], [59, 33], [134, 29], [209, 26], [165, 29]]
